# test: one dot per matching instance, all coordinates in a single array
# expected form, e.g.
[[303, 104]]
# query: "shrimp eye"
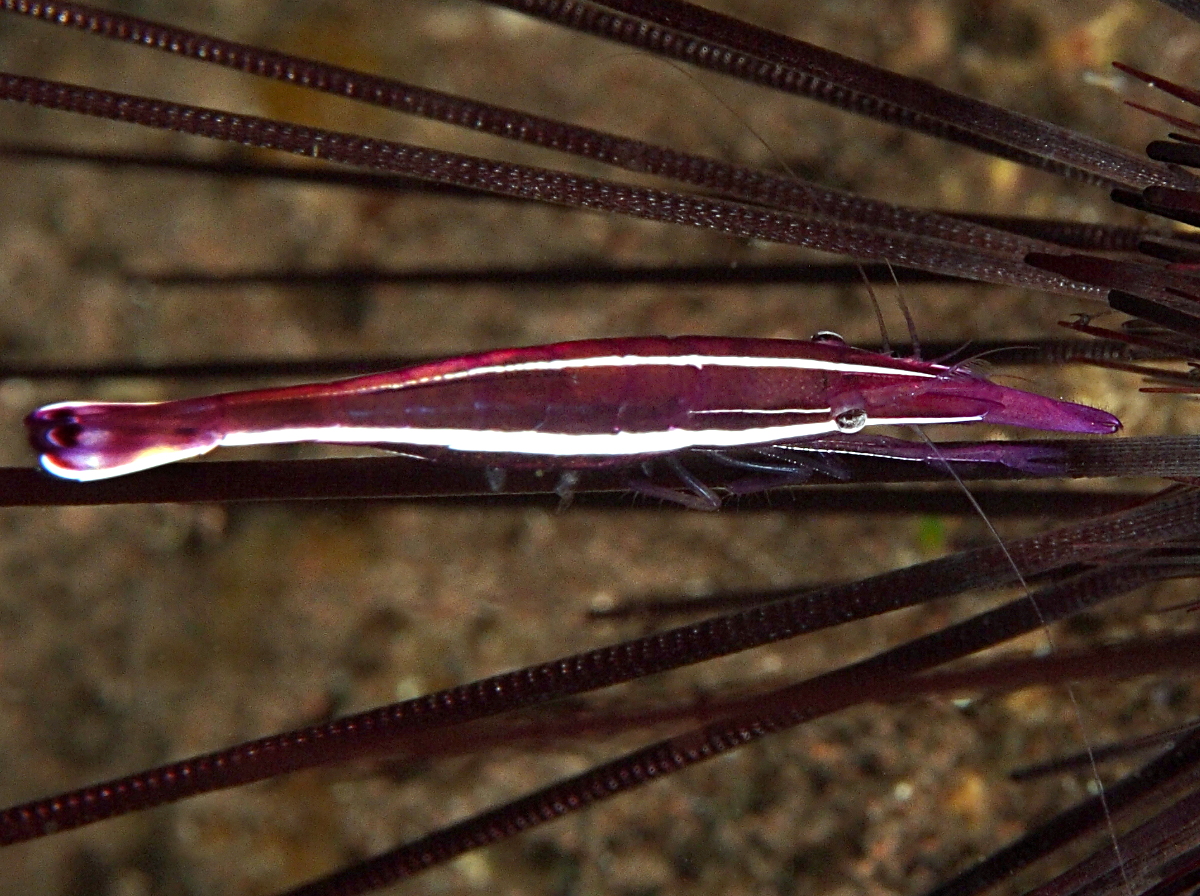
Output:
[[851, 421], [828, 337]]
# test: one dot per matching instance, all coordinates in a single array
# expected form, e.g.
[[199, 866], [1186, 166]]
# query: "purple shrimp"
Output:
[[571, 405]]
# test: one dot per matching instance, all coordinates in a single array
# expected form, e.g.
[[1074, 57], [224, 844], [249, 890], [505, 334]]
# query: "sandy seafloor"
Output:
[[134, 635]]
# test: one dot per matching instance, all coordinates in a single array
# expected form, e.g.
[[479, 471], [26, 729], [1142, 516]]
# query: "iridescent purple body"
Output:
[[570, 405]]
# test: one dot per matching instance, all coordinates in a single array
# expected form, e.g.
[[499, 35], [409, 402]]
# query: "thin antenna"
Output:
[[1089, 748], [714, 95], [883, 333], [908, 318]]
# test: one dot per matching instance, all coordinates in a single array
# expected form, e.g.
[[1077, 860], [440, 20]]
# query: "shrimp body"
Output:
[[573, 404]]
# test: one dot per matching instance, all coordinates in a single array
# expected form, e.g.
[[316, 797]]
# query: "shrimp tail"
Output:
[[86, 441]]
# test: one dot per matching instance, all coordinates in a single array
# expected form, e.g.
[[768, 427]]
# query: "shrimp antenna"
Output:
[[1089, 748], [979, 362], [883, 333], [908, 318], [730, 109]]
